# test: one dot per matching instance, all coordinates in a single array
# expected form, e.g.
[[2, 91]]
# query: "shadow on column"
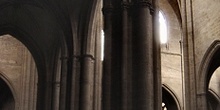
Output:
[[7, 101]]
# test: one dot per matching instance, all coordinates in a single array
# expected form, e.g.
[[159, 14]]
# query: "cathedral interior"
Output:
[[109, 55]]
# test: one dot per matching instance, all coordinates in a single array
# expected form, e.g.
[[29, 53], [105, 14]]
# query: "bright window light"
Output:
[[102, 45], [163, 29]]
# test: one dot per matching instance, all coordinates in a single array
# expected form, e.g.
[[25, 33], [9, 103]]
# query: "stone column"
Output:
[[32, 84], [63, 86], [75, 83], [106, 83], [98, 55], [56, 85], [86, 87], [143, 65], [188, 56], [125, 55], [30, 79], [156, 57], [27, 69]]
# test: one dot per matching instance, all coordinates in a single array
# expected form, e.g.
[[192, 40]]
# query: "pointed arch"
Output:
[[37, 54], [169, 98], [209, 64]]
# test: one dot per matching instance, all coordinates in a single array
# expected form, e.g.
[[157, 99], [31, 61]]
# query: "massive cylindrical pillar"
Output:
[[86, 85], [131, 77], [143, 76], [126, 50]]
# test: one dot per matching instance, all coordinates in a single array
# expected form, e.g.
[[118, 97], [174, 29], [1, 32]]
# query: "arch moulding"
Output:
[[203, 74], [165, 87]]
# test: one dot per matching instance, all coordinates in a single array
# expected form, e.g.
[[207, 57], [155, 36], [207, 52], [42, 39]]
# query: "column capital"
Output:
[[88, 56], [78, 57], [125, 5], [107, 9], [145, 3]]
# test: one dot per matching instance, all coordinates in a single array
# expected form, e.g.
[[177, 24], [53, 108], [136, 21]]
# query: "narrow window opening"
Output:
[[102, 45], [163, 28]]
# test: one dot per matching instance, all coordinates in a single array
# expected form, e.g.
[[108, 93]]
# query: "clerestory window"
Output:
[[163, 28]]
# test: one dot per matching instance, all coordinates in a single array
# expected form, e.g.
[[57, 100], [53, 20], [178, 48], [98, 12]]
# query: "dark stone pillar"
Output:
[[156, 57], [75, 83], [56, 85], [125, 56], [131, 77], [106, 83], [63, 85], [143, 65]]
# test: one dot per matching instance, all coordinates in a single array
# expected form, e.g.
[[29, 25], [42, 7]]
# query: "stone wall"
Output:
[[171, 53], [206, 26], [206, 23], [18, 68]]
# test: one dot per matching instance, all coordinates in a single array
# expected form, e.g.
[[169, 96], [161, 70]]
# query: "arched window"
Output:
[[163, 28]]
